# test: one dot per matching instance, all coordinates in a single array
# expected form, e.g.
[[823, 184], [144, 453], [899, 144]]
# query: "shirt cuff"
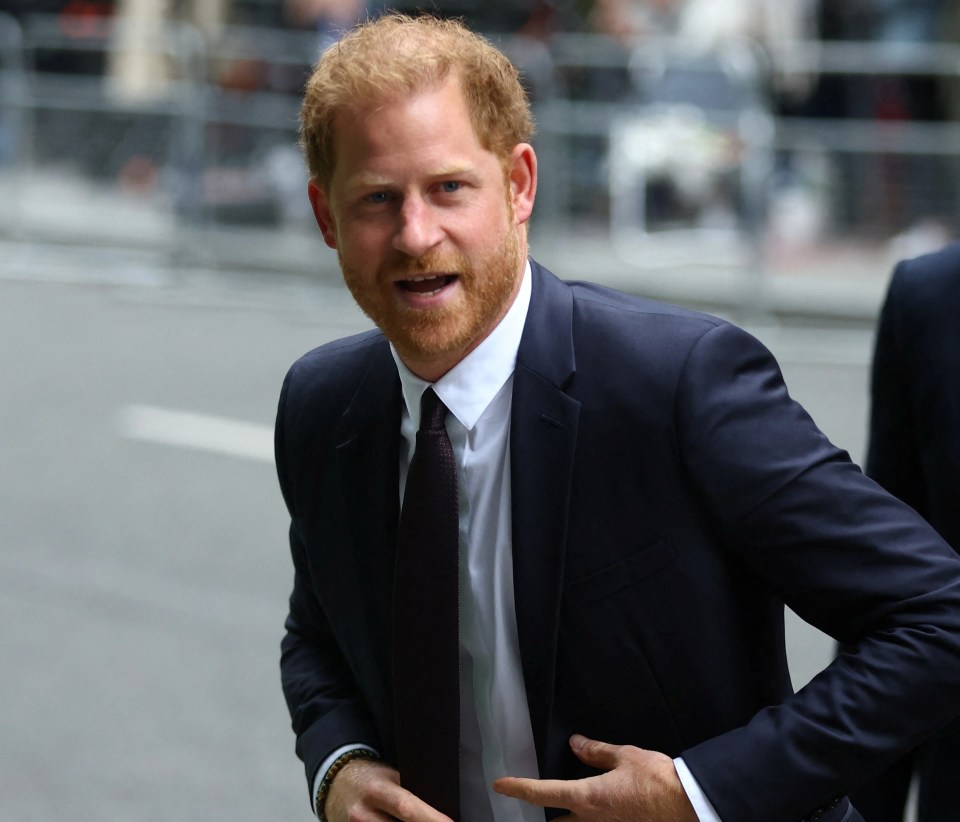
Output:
[[325, 766], [704, 810]]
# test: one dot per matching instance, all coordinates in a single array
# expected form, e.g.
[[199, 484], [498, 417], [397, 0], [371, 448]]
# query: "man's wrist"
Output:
[[701, 805], [337, 765]]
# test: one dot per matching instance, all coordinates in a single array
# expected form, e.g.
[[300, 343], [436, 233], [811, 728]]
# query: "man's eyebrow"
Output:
[[371, 180], [368, 181], [453, 170]]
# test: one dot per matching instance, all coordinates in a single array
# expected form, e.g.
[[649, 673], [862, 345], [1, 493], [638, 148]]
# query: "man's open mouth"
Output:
[[427, 285]]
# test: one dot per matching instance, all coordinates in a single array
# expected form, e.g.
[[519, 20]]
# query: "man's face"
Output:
[[426, 224]]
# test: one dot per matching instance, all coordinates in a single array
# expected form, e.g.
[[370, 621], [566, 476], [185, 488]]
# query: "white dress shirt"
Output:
[[495, 734]]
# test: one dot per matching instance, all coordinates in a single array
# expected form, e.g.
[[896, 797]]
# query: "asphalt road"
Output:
[[143, 564]]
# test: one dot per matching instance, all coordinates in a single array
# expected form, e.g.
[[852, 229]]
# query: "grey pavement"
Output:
[[143, 586], [143, 582]]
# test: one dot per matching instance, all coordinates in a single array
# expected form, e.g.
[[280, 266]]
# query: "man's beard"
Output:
[[420, 334]]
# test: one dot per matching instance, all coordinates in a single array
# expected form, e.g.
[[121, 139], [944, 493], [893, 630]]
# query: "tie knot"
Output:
[[432, 411]]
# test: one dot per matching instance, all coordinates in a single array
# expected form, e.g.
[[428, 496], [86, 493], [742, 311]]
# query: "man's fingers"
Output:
[[407, 807], [637, 784], [600, 755], [546, 793], [371, 791], [562, 793]]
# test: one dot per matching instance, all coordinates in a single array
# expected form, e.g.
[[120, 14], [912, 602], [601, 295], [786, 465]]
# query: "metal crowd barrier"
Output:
[[12, 127], [904, 170], [169, 140]]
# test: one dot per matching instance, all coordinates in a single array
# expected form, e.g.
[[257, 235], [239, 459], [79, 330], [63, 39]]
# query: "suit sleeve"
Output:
[[325, 704], [847, 557], [892, 454]]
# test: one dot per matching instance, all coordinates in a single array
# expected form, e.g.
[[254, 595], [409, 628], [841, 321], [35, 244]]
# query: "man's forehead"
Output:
[[377, 100], [365, 145]]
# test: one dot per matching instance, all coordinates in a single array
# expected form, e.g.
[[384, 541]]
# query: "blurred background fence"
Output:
[[793, 170]]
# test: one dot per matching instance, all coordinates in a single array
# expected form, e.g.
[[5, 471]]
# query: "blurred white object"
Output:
[[924, 236]]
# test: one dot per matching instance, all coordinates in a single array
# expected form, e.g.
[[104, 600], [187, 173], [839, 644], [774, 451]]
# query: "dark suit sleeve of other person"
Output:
[[914, 447], [914, 452], [326, 703], [795, 518]]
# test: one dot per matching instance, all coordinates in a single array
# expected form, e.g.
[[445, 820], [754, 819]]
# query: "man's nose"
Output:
[[418, 230]]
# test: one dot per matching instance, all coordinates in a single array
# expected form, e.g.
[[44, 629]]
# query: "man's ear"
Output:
[[320, 203], [523, 181]]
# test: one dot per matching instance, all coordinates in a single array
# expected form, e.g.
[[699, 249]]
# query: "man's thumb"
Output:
[[597, 754]]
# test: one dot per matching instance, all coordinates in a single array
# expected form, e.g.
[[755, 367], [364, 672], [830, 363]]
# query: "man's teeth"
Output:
[[427, 285]]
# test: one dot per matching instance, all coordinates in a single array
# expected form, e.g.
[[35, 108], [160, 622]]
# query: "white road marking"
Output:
[[203, 432]]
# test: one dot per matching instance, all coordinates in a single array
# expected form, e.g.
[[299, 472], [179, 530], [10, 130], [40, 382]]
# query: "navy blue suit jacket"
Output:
[[668, 498]]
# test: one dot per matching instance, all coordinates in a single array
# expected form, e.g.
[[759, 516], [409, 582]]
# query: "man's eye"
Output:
[[378, 197], [450, 186]]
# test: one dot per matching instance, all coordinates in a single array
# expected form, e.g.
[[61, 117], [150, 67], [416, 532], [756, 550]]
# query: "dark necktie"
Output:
[[426, 606]]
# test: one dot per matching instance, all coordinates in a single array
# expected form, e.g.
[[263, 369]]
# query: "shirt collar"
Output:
[[470, 386]]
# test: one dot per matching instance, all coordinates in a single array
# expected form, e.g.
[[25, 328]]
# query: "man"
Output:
[[914, 452], [638, 497]]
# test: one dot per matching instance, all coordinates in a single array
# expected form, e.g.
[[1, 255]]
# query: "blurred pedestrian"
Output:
[[542, 531], [914, 452], [705, 24], [632, 20], [328, 18]]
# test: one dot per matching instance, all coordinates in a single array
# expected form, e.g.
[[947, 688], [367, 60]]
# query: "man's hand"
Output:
[[639, 786], [369, 791]]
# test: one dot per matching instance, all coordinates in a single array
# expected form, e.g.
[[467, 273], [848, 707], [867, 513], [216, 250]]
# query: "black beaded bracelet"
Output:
[[822, 811], [336, 766]]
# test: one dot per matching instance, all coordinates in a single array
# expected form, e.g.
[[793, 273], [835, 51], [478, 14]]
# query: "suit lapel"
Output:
[[368, 461], [542, 442]]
